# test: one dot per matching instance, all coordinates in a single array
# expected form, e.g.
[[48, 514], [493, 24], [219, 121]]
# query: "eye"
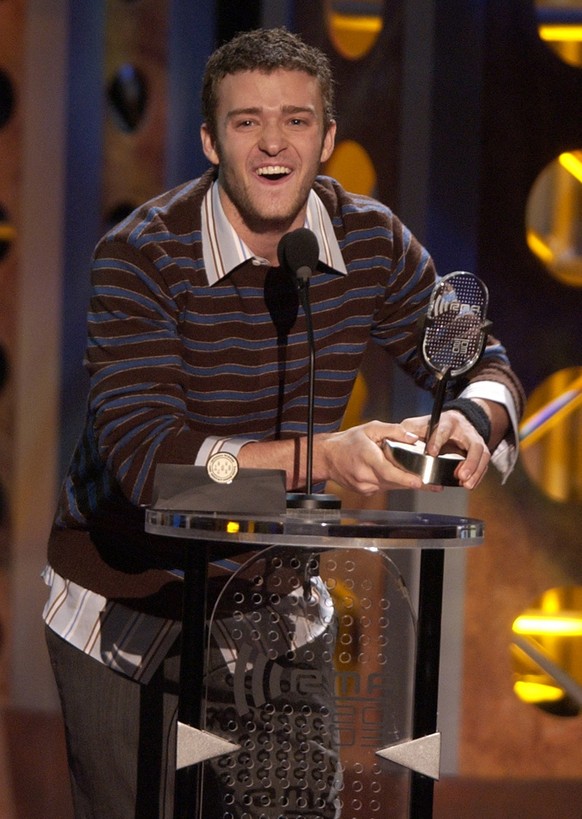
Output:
[[244, 124]]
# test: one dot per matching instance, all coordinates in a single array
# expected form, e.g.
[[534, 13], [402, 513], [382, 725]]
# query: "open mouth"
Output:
[[273, 173]]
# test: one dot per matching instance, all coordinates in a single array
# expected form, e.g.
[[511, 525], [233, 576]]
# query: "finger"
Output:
[[378, 431], [399, 435], [418, 425], [441, 435], [471, 471]]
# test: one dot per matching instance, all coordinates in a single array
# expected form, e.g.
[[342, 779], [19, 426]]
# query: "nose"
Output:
[[272, 140]]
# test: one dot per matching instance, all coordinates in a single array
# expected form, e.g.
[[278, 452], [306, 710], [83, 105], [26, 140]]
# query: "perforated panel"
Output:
[[309, 671]]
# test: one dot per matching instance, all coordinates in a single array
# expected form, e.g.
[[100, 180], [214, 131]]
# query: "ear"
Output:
[[208, 144], [328, 141]]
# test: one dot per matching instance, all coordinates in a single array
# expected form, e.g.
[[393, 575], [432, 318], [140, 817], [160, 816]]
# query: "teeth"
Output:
[[273, 169]]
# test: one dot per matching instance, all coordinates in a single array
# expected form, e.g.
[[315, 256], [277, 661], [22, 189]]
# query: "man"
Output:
[[188, 319]]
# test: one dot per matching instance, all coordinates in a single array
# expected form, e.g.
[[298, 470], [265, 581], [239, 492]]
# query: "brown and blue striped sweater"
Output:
[[173, 360]]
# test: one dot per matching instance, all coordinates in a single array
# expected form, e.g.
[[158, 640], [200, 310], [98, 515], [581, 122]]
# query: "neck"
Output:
[[261, 236], [263, 241], [265, 245]]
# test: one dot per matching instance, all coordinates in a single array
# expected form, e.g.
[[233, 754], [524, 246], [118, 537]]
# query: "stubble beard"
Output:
[[264, 219], [259, 220]]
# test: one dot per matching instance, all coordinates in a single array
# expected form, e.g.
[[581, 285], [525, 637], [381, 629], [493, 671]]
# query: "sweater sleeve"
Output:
[[412, 277], [135, 361]]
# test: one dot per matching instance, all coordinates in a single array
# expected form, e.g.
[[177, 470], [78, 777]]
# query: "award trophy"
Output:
[[453, 339]]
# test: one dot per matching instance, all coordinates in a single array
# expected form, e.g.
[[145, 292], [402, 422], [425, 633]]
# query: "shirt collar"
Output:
[[223, 249]]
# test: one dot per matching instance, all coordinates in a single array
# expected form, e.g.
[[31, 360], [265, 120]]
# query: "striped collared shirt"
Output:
[[224, 250]]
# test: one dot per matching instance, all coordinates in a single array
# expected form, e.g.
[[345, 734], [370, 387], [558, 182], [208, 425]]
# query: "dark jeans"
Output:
[[121, 735]]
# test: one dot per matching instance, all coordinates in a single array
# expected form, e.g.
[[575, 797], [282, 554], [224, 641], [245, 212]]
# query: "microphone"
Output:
[[298, 253]]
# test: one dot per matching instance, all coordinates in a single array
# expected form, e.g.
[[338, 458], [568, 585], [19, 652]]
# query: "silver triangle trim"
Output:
[[422, 755], [194, 745]]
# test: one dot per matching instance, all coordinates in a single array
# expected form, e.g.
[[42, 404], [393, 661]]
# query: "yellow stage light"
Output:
[[565, 624], [535, 692], [560, 33], [539, 248], [571, 162]]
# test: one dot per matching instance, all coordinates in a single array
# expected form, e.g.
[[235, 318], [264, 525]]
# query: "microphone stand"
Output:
[[309, 500], [305, 301]]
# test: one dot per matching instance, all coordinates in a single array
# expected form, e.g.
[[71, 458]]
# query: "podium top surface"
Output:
[[328, 529]]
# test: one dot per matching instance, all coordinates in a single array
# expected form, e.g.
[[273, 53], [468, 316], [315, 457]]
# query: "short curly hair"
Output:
[[265, 50]]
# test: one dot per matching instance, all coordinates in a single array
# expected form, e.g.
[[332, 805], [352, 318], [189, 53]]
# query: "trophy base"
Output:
[[301, 503], [436, 470]]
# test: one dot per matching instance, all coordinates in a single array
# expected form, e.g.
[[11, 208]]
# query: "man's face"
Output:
[[269, 145]]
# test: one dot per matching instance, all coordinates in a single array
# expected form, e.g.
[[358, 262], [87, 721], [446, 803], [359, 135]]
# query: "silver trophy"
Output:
[[454, 334]]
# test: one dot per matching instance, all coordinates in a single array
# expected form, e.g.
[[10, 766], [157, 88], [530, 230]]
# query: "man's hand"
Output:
[[356, 459], [455, 433]]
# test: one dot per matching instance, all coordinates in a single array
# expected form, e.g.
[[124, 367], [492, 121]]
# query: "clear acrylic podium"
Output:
[[309, 678]]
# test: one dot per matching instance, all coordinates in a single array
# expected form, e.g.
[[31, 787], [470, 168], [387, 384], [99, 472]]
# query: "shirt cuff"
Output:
[[216, 443], [505, 454]]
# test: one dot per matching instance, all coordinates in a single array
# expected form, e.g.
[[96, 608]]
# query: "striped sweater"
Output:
[[173, 360]]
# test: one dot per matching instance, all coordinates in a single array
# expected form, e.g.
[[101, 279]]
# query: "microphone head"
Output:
[[455, 326], [298, 252]]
